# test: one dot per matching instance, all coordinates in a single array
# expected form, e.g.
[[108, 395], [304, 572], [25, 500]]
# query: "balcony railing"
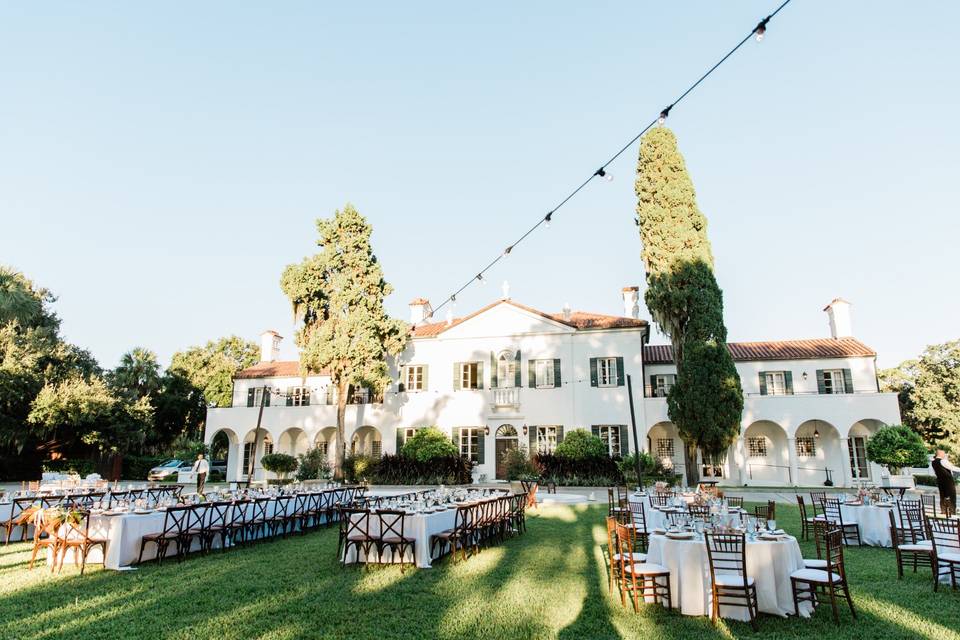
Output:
[[663, 392], [507, 397]]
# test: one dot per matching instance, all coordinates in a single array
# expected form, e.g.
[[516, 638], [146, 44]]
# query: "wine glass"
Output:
[[771, 525]]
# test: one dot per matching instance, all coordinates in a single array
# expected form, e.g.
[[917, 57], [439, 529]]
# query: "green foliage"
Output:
[[519, 466], [313, 465], [81, 467], [589, 471], [929, 394], [137, 376], [401, 470], [137, 467], [210, 368], [185, 448], [685, 301], [429, 443], [897, 446], [649, 467], [358, 468], [579, 444], [279, 463], [337, 298]]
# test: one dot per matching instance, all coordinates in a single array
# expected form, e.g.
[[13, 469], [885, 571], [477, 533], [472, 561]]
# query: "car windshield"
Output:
[[171, 463]]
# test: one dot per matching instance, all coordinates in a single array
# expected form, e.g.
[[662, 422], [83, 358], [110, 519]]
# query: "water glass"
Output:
[[771, 525]]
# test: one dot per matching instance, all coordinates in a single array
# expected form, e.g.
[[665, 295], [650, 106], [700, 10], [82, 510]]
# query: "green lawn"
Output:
[[548, 583]]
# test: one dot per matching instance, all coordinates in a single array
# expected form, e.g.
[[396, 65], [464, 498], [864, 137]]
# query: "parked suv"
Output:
[[169, 469]]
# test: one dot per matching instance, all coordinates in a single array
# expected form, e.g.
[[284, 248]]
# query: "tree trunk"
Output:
[[343, 388], [690, 465]]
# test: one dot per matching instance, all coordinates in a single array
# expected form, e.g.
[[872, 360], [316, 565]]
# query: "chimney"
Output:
[[420, 310], [270, 346], [839, 312], [631, 299]]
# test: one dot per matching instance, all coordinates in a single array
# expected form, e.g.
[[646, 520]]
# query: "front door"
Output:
[[859, 468], [503, 446]]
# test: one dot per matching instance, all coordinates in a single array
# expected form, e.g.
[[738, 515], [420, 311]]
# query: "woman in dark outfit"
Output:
[[945, 482]]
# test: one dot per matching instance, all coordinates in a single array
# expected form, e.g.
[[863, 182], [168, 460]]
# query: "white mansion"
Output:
[[508, 375]]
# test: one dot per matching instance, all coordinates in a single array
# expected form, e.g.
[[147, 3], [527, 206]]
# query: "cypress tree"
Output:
[[685, 301]]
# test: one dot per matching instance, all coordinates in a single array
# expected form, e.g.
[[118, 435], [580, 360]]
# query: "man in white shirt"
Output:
[[201, 467]]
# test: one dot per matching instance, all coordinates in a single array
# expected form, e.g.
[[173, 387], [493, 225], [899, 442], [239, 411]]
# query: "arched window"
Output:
[[506, 431], [506, 369]]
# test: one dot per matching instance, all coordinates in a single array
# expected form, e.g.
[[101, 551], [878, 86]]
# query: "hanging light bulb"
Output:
[[816, 432], [507, 251], [547, 219], [761, 29], [480, 278], [664, 114], [606, 175]]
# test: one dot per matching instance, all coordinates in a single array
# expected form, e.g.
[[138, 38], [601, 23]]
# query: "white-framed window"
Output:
[[757, 447], [806, 447], [506, 370], [543, 369], [833, 381], [416, 377], [610, 434], [299, 396], [547, 439], [376, 449], [248, 451], [665, 451], [775, 382], [323, 446], [360, 395], [607, 372], [662, 384], [469, 375], [471, 439]]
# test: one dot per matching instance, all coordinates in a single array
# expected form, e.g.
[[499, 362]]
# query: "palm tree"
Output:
[[138, 374], [20, 301]]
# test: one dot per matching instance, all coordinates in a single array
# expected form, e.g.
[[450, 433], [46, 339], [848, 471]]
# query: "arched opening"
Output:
[[224, 455], [665, 446], [366, 441], [326, 441], [293, 441], [506, 440], [819, 454], [861, 469], [507, 370], [266, 447], [768, 459]]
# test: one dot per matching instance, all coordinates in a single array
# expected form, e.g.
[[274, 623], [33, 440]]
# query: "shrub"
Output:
[[594, 471], [429, 443], [183, 448], [137, 467], [279, 463], [924, 480], [313, 465], [581, 445], [897, 446], [81, 467], [403, 470], [519, 466], [358, 468]]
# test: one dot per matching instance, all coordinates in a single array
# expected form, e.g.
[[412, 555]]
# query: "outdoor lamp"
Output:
[[486, 431], [524, 429], [804, 376]]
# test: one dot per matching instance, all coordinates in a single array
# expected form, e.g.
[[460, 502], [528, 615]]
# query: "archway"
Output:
[[266, 447], [224, 453], [293, 441], [326, 441], [506, 440], [768, 459], [666, 447], [366, 441], [819, 454], [861, 469]]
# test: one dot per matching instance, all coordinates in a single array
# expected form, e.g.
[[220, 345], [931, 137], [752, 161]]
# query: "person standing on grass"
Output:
[[201, 467], [945, 482]]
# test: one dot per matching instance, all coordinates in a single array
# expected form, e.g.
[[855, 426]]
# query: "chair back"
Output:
[[831, 509], [727, 554], [391, 523], [639, 516], [176, 519], [802, 507], [197, 516], [624, 546], [354, 521], [735, 501], [612, 543], [659, 499], [816, 501], [219, 514], [945, 535], [699, 511], [768, 512], [135, 494], [833, 542], [676, 518], [260, 508], [283, 508], [19, 506], [238, 513], [929, 502], [611, 501], [911, 517]]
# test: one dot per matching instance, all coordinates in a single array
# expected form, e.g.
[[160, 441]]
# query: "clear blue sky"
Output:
[[160, 164]]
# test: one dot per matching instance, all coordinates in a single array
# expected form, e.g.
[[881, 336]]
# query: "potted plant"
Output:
[[280, 464], [895, 447]]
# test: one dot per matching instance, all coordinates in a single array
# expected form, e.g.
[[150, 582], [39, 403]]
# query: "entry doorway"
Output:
[[506, 439]]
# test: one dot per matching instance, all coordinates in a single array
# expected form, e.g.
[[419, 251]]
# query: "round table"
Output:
[[770, 563], [874, 522]]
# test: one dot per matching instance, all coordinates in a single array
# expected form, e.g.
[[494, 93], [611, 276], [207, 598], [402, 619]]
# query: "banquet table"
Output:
[[419, 527], [656, 517], [874, 522], [770, 563], [16, 534]]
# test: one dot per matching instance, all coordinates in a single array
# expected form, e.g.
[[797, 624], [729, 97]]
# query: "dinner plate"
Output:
[[680, 535]]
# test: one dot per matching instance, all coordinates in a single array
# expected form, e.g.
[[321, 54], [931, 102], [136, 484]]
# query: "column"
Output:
[[792, 454], [844, 464], [742, 457]]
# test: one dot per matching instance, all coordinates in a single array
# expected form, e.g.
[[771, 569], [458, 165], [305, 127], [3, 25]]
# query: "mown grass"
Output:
[[549, 583]]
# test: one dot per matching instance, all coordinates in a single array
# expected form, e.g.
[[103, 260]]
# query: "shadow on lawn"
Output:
[[547, 583]]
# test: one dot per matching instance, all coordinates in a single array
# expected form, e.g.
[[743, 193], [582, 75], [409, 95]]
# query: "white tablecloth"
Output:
[[874, 522], [656, 518], [419, 527], [769, 563]]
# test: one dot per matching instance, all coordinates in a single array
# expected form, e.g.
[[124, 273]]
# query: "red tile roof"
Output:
[[276, 369], [813, 349], [578, 320]]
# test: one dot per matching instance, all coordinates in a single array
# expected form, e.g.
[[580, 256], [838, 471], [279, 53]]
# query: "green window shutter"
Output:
[[821, 385], [559, 433], [289, 396], [401, 437], [788, 382], [479, 384], [402, 386], [457, 367], [455, 436], [556, 373], [493, 370], [481, 446], [763, 383], [847, 381], [532, 374], [621, 380], [653, 386], [593, 372], [624, 441], [266, 396], [426, 370], [533, 441], [516, 370], [596, 430], [250, 395], [306, 396]]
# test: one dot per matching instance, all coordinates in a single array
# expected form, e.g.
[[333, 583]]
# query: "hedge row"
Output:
[[392, 469]]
